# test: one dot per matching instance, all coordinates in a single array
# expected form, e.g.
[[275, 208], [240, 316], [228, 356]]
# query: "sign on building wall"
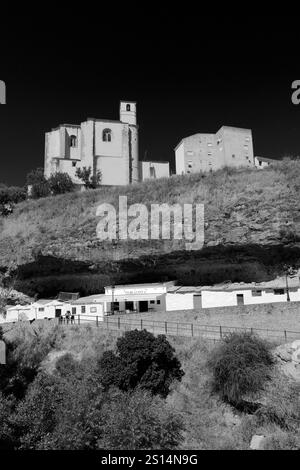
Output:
[[2, 352]]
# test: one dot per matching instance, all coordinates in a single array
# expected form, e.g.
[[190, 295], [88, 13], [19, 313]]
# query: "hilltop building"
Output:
[[103, 145], [230, 146]]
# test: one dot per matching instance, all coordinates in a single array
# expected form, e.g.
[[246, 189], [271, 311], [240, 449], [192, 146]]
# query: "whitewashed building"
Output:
[[154, 170], [233, 294]]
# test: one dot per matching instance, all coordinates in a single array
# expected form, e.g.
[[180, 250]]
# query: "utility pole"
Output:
[[2, 353], [112, 300]]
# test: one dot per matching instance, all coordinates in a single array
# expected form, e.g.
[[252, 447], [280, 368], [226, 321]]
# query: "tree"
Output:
[[241, 365], [141, 360], [90, 181], [60, 183], [38, 183], [9, 196]]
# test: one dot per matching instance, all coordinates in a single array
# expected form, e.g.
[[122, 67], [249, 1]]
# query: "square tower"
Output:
[[128, 112]]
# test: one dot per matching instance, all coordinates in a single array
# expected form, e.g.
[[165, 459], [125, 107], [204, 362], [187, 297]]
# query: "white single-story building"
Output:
[[39, 310], [233, 294], [132, 298]]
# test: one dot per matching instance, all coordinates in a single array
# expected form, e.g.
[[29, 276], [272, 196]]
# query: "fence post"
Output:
[[118, 322], [107, 321], [141, 324], [78, 319], [97, 323], [177, 329], [221, 336], [252, 331], [192, 329], [285, 335], [166, 327]]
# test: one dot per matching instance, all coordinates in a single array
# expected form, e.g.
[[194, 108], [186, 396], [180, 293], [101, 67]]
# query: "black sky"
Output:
[[188, 74]]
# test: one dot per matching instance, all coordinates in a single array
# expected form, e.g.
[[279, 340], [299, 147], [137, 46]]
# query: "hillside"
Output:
[[252, 226]]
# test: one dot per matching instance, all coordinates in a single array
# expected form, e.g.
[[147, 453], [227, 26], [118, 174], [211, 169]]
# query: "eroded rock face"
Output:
[[288, 356]]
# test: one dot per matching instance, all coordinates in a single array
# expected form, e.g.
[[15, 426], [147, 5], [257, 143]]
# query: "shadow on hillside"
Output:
[[47, 275]]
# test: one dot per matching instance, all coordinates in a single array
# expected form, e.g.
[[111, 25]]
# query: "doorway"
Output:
[[143, 306], [57, 312], [240, 299]]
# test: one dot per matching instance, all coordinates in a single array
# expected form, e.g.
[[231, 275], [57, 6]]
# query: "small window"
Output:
[[260, 163], [158, 302], [233, 156], [106, 135], [73, 310], [256, 293], [93, 309], [152, 301], [73, 141], [278, 291], [73, 164], [127, 107], [83, 310], [41, 309]]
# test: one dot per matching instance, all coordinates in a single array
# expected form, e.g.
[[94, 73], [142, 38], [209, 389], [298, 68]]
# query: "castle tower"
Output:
[[128, 112]]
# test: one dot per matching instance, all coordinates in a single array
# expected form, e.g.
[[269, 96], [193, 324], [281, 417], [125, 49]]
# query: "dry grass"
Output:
[[64, 224]]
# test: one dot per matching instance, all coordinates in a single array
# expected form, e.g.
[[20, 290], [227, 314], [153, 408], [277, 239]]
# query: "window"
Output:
[[190, 164], [73, 141], [233, 156], [93, 309], [152, 301], [83, 309], [73, 163], [73, 310], [106, 135], [260, 163], [278, 291], [41, 309], [127, 107], [256, 293], [158, 302]]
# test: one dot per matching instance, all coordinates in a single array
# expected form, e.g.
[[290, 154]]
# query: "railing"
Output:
[[170, 328]]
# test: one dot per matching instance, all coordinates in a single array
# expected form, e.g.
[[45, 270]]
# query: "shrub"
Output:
[[139, 421], [60, 183], [9, 196], [90, 181], [241, 365], [39, 184], [141, 360]]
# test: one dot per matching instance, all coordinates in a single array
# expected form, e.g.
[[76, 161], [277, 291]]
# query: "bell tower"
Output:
[[128, 112]]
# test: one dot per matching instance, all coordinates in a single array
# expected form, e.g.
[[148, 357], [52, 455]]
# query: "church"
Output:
[[104, 145], [108, 146]]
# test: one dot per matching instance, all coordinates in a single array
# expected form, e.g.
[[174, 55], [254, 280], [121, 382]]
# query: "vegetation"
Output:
[[60, 183], [141, 360], [9, 196], [245, 221], [91, 181], [241, 366], [38, 183], [67, 406]]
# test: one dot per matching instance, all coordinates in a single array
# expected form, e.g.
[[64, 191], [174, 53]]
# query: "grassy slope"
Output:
[[241, 207]]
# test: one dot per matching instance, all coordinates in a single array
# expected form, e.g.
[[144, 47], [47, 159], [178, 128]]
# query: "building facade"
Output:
[[108, 146], [230, 146], [154, 170]]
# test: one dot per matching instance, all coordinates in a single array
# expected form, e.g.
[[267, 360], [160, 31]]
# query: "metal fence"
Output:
[[190, 330]]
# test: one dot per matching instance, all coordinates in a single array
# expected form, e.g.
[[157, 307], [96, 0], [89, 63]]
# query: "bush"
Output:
[[141, 360], [9, 196], [61, 183], [39, 184], [138, 421], [90, 181], [241, 366]]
